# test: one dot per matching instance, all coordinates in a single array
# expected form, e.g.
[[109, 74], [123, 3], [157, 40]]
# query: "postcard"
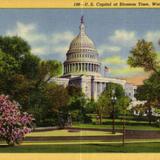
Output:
[[79, 80]]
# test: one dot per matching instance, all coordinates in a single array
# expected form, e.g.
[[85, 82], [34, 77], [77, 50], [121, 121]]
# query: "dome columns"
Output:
[[81, 67]]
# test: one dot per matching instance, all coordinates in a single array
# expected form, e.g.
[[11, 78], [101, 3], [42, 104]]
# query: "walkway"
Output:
[[129, 134]]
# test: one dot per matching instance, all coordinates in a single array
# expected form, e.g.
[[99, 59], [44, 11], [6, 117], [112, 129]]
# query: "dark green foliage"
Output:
[[14, 46], [8, 64], [78, 104], [143, 55], [150, 89], [150, 92], [25, 78], [104, 105], [30, 66]]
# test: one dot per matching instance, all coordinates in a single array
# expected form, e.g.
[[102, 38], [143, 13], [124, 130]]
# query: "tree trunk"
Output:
[[11, 144], [100, 119], [149, 114]]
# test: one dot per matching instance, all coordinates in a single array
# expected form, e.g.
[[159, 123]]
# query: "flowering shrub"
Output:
[[13, 123]]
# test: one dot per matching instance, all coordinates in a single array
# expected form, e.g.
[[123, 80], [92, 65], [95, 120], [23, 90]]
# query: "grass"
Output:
[[130, 125], [92, 146], [71, 133], [132, 147]]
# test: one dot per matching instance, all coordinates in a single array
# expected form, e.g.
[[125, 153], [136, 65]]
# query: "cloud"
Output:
[[60, 49], [60, 42], [120, 41], [39, 50], [114, 60], [106, 48], [62, 37], [119, 67], [29, 32], [43, 45], [153, 36], [127, 71], [123, 37]]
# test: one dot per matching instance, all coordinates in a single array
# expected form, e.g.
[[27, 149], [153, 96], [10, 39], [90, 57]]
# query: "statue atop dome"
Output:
[[82, 19], [82, 26]]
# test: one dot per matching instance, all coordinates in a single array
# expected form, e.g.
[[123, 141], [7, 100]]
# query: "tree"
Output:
[[14, 124], [8, 68], [76, 97], [8, 64], [30, 66], [14, 46], [104, 103], [103, 106], [57, 100], [78, 104], [150, 92], [90, 106], [144, 55], [47, 70], [25, 77]]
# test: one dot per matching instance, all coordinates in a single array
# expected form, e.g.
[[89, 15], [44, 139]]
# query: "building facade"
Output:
[[82, 68]]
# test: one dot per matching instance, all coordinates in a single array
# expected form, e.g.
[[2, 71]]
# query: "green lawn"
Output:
[[130, 125], [92, 146], [71, 133], [134, 147], [107, 124]]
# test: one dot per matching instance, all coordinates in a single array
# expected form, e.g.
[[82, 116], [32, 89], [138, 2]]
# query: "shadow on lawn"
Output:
[[145, 147]]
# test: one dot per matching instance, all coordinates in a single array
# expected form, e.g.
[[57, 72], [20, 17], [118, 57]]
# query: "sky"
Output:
[[114, 32]]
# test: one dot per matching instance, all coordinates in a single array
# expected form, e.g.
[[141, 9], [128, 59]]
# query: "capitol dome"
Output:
[[82, 40], [82, 56]]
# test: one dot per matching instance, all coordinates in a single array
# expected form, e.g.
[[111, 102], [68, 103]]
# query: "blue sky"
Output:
[[114, 31]]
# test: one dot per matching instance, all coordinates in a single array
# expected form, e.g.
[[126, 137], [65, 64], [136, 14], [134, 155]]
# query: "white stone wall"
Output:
[[93, 86]]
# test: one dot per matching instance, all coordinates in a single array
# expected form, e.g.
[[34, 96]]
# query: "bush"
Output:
[[157, 123], [13, 123], [81, 117]]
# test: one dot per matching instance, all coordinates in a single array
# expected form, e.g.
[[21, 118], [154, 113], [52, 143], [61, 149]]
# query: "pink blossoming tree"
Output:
[[14, 124]]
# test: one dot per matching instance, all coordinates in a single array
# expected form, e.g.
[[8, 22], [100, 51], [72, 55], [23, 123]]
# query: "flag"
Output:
[[106, 69]]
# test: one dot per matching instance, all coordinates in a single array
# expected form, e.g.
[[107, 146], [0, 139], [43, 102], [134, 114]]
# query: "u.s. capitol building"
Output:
[[82, 68]]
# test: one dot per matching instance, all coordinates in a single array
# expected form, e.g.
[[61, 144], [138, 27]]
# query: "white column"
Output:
[[74, 67], [64, 69], [95, 91], [67, 68], [101, 87], [92, 68], [86, 66]]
